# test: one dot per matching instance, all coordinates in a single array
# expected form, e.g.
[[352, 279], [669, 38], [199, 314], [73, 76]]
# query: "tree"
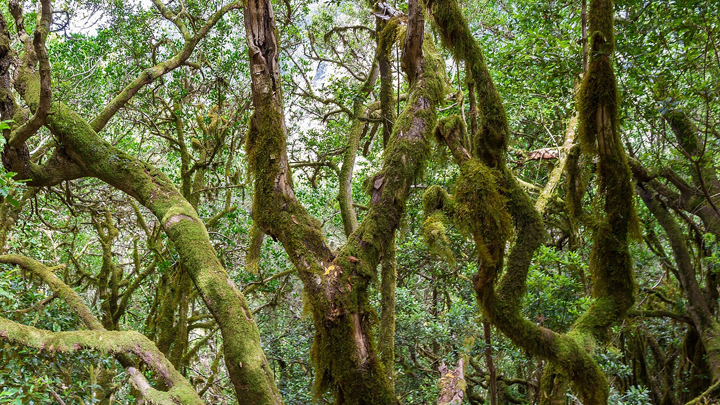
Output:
[[161, 186]]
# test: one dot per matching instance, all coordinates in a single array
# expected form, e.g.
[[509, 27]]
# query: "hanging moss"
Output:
[[492, 138], [437, 206], [436, 198], [481, 210], [436, 84], [435, 236]]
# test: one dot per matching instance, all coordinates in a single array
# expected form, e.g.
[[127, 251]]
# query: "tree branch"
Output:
[[25, 131]]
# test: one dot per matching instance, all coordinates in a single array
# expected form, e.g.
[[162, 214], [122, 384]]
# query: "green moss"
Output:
[[434, 73], [447, 124], [388, 36], [436, 198], [435, 236], [437, 206], [492, 138], [610, 262], [481, 209], [386, 343], [597, 97], [598, 92]]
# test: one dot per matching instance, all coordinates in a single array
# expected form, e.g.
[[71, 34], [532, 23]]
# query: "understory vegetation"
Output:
[[314, 202]]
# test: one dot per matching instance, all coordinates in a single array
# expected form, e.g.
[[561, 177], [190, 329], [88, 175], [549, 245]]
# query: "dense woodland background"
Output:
[[445, 201]]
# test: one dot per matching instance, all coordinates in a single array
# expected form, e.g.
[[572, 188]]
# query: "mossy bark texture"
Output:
[[97, 338], [336, 285], [487, 192], [248, 368]]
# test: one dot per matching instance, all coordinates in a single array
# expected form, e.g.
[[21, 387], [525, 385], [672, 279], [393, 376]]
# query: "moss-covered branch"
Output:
[[57, 286], [344, 197], [491, 138], [116, 343], [702, 194], [490, 192], [386, 37], [248, 368], [110, 342], [386, 343], [611, 265], [336, 285], [37, 54], [557, 172]]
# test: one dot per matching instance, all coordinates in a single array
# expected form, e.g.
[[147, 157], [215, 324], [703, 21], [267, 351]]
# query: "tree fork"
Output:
[[337, 285], [614, 286]]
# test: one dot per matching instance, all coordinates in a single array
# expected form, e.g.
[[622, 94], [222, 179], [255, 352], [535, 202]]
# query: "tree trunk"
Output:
[[482, 206], [248, 368], [337, 284]]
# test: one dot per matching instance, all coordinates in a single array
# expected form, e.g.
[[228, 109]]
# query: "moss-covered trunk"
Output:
[[337, 284], [487, 195], [248, 368]]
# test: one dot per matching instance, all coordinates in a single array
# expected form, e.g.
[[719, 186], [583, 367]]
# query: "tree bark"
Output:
[[244, 358], [611, 267], [337, 284]]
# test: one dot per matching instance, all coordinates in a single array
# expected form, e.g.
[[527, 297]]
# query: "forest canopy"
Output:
[[296, 202]]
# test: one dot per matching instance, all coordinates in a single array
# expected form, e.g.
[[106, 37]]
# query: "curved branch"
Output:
[[148, 75], [117, 343], [344, 197], [57, 286], [113, 342], [25, 131]]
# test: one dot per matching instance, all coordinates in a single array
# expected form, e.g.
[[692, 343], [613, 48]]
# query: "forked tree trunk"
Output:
[[336, 285], [487, 193]]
